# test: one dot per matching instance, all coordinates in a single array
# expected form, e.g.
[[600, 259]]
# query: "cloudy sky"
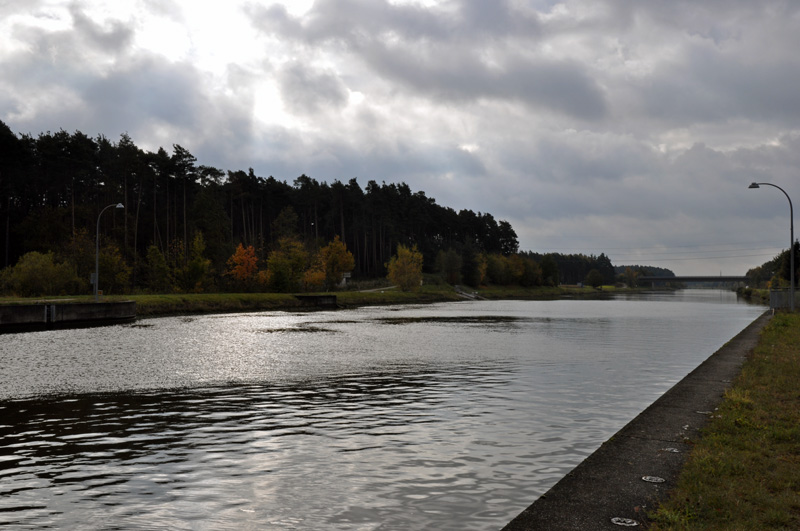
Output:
[[619, 126]]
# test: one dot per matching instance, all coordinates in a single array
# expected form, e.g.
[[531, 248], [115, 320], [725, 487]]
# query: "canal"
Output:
[[445, 416]]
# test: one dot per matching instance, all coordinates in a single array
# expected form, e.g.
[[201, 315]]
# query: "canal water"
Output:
[[444, 416]]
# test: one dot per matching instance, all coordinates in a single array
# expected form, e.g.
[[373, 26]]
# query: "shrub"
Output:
[[37, 274]]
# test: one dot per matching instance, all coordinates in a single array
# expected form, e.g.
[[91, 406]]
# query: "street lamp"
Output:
[[791, 240], [97, 250]]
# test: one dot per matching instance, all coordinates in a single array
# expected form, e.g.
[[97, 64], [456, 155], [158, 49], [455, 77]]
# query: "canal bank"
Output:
[[53, 315], [624, 480]]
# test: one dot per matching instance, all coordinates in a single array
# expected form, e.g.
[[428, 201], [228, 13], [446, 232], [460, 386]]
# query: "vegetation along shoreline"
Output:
[[160, 305]]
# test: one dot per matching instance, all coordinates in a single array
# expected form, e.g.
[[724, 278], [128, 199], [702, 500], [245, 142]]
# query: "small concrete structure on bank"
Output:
[[48, 315], [318, 301]]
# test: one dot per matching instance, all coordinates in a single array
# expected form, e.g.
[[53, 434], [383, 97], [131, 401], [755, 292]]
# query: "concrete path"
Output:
[[385, 288], [470, 294], [607, 490]]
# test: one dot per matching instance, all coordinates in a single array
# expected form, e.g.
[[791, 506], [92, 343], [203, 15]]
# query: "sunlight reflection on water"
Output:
[[448, 416]]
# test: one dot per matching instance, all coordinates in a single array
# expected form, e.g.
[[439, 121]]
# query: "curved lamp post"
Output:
[[97, 250], [791, 241]]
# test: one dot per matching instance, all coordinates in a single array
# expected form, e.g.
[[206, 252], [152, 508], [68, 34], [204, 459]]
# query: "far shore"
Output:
[[165, 304], [156, 305]]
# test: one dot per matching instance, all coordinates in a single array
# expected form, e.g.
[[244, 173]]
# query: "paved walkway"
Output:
[[609, 486]]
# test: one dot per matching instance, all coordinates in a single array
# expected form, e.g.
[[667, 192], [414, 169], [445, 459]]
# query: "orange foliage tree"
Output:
[[243, 266], [314, 277]]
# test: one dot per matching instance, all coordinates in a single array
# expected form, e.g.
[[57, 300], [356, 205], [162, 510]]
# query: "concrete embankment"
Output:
[[621, 482], [28, 317]]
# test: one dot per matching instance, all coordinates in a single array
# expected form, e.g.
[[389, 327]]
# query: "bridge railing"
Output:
[[694, 278]]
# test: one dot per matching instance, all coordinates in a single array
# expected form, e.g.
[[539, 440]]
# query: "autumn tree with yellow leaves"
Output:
[[405, 268]]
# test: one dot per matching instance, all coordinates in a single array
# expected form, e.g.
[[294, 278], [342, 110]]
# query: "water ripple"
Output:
[[447, 416]]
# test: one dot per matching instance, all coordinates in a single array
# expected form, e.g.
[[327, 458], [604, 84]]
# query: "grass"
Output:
[[177, 304], [170, 304], [744, 472], [173, 304], [516, 292]]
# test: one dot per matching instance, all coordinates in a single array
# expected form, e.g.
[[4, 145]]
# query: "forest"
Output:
[[775, 273], [182, 219], [188, 227]]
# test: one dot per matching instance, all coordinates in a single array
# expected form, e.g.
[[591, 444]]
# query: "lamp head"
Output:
[[120, 205], [754, 185]]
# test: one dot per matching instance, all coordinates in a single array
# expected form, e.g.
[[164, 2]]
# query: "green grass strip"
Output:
[[177, 304], [152, 305], [744, 472]]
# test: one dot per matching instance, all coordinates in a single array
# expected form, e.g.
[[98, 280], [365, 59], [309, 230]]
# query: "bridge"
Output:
[[694, 278]]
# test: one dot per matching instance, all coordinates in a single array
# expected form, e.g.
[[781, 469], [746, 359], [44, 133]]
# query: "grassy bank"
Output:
[[744, 473], [173, 304], [151, 305], [541, 293]]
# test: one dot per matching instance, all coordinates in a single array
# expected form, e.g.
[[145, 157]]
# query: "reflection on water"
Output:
[[452, 416], [223, 455]]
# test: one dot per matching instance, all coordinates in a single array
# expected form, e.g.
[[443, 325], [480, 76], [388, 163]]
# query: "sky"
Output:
[[621, 127]]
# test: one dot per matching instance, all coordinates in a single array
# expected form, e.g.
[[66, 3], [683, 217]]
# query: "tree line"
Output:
[[575, 268], [775, 273], [183, 222], [630, 274]]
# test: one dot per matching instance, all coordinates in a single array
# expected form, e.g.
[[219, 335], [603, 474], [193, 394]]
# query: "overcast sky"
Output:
[[619, 126]]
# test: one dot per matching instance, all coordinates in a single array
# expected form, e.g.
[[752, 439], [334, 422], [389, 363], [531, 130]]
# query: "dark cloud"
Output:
[[457, 57], [463, 21], [581, 158], [169, 9], [13, 7], [273, 19], [350, 20], [557, 86], [112, 40], [590, 179], [707, 85], [713, 62], [170, 101], [151, 89], [308, 91], [495, 17]]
